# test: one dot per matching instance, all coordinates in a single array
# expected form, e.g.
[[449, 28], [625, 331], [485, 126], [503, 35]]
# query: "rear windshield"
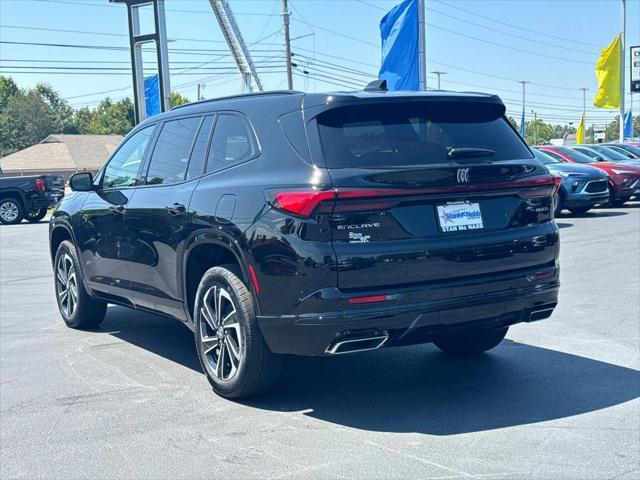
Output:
[[409, 134]]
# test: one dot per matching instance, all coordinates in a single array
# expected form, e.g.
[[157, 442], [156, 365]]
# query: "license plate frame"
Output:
[[460, 216]]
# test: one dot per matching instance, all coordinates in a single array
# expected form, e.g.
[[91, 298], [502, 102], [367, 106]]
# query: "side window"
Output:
[[554, 155], [122, 170], [198, 155], [232, 143], [586, 152], [171, 153]]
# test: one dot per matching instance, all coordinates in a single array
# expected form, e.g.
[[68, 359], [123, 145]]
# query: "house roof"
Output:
[[62, 153]]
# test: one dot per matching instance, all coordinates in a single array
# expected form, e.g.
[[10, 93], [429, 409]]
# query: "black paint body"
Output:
[[135, 251]]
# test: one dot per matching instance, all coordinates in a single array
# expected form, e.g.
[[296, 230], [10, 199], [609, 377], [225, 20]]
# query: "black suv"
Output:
[[314, 224]]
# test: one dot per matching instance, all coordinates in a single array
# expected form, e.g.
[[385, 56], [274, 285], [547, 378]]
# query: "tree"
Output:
[[538, 132], [612, 132], [61, 109], [108, 118], [178, 99], [26, 120]]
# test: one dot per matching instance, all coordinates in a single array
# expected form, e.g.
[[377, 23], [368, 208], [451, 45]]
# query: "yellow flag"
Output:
[[580, 132], [608, 74]]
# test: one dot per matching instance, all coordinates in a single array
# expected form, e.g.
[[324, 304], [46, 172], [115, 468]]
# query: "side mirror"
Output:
[[81, 182]]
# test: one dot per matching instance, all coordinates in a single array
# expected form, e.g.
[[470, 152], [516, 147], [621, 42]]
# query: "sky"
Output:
[[482, 45]]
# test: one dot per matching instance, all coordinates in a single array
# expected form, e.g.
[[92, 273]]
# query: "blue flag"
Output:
[[523, 126], [628, 125], [152, 95], [399, 31]]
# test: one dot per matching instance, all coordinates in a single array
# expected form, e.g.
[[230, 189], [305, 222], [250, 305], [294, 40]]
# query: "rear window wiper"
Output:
[[465, 152]]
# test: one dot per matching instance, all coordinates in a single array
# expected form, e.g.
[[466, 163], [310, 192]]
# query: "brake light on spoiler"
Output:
[[305, 202]]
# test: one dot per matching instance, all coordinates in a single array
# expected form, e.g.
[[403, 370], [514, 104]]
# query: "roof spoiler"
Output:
[[376, 86]]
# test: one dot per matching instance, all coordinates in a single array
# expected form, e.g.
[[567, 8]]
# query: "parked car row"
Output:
[[581, 167], [28, 198]]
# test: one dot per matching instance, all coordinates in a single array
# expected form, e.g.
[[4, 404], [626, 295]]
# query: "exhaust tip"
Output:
[[352, 344], [536, 315]]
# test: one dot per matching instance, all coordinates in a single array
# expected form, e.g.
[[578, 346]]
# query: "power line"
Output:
[[181, 10], [518, 27], [494, 30]]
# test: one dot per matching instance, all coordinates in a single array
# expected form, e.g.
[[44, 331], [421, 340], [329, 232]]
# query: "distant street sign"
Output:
[[597, 136], [635, 69], [599, 127]]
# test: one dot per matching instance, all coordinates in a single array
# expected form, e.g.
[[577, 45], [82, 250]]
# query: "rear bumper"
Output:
[[44, 201], [419, 314]]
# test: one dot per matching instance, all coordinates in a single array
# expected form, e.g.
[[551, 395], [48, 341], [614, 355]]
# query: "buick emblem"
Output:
[[463, 175]]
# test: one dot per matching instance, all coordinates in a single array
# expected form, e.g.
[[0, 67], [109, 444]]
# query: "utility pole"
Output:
[[523, 125], [287, 42], [535, 127], [438, 73], [200, 89], [584, 109], [422, 49], [622, 72]]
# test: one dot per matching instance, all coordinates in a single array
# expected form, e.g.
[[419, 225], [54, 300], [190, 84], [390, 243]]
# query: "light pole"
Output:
[[535, 127], [287, 43], [622, 72], [439, 73], [522, 121]]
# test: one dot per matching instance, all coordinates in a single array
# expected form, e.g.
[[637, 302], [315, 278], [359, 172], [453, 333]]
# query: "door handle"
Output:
[[176, 209], [117, 209]]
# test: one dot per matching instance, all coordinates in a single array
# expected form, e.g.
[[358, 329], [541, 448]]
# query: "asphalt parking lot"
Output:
[[558, 399]]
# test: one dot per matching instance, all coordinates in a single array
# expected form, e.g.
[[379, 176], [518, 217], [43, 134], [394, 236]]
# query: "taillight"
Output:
[[303, 203], [41, 184], [556, 184], [299, 202]]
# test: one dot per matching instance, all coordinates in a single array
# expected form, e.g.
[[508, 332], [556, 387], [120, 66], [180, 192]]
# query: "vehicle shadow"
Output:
[[416, 389], [597, 214], [564, 225], [163, 336]]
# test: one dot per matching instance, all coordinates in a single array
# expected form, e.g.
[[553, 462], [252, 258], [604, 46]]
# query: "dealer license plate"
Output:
[[459, 216]]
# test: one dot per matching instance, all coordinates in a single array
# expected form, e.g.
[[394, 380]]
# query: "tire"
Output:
[[77, 308], [559, 205], [11, 211], [226, 327], [36, 215], [616, 202], [470, 343], [579, 210], [619, 202]]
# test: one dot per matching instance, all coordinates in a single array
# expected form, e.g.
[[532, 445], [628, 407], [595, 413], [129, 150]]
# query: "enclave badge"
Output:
[[463, 175]]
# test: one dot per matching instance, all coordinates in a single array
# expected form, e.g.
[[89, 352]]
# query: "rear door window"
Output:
[[411, 134], [170, 156], [232, 143]]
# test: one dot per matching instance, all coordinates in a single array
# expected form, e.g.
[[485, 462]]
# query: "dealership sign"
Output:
[[635, 69]]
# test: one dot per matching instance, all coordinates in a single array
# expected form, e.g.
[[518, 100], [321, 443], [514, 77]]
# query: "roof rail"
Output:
[[241, 95]]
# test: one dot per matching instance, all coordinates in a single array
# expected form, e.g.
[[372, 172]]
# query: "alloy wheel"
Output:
[[220, 335], [9, 211], [66, 285]]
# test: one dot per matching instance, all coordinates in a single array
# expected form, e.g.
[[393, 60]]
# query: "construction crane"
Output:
[[238, 48]]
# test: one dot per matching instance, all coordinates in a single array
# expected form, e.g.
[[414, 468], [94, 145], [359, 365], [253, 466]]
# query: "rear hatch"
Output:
[[431, 191]]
